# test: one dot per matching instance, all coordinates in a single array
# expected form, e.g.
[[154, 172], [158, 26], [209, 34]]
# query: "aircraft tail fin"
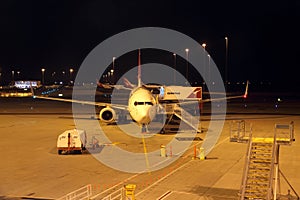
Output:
[[139, 70], [128, 84], [246, 91], [105, 86]]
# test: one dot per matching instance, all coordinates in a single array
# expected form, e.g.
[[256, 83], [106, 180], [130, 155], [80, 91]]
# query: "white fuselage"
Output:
[[142, 106]]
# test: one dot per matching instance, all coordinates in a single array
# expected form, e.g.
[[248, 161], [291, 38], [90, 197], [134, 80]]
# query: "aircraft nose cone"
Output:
[[146, 115]]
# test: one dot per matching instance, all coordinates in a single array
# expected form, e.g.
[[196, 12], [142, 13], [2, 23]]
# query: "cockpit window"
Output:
[[143, 103]]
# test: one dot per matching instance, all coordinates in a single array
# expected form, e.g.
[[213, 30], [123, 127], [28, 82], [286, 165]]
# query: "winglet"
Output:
[[246, 91]]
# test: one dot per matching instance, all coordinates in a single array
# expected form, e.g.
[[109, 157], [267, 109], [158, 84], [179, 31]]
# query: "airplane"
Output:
[[149, 100]]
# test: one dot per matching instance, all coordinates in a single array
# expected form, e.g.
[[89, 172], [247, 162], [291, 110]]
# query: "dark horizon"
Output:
[[57, 35]]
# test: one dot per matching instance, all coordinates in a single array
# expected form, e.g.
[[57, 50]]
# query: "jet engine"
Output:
[[107, 115]]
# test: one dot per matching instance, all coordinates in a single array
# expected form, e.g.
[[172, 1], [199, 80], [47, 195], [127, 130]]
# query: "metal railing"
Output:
[[246, 168], [281, 138], [79, 194], [274, 164], [285, 133], [189, 119], [239, 131], [116, 195]]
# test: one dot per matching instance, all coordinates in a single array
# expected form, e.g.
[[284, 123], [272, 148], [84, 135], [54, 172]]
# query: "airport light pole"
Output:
[[43, 75], [64, 79], [108, 77], [53, 77], [71, 72], [174, 70], [13, 76], [226, 60], [113, 69], [204, 60], [187, 64], [209, 69], [112, 76]]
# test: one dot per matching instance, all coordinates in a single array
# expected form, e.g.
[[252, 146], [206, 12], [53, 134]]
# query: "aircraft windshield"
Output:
[[143, 103]]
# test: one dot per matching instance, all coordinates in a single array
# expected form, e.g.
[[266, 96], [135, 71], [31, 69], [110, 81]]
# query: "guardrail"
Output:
[[240, 131], [118, 194], [79, 194]]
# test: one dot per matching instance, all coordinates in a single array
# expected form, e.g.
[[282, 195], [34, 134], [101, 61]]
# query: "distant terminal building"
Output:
[[19, 89], [27, 84]]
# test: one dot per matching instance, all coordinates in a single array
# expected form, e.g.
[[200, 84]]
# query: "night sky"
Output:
[[57, 35]]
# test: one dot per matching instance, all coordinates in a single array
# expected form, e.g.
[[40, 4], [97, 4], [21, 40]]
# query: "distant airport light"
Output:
[[245, 96], [60, 95]]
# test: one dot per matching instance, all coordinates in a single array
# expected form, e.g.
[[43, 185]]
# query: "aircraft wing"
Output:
[[230, 97], [221, 98], [100, 104]]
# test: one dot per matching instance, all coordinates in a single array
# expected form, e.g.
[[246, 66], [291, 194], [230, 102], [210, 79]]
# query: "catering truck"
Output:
[[71, 141]]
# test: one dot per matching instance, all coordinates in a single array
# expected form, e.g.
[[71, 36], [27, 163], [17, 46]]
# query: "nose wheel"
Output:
[[144, 128]]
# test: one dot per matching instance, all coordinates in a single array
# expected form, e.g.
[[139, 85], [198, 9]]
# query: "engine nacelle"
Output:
[[107, 115]]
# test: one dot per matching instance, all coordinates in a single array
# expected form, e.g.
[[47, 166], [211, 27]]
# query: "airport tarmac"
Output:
[[30, 166]]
